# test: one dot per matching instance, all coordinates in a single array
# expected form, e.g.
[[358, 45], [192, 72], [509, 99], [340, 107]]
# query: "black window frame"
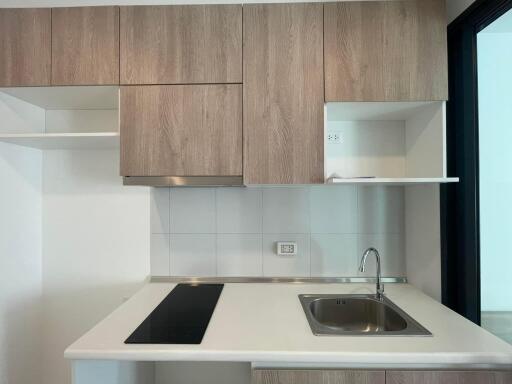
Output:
[[460, 210]]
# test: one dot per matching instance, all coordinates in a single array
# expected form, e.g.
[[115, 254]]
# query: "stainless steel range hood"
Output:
[[185, 181]]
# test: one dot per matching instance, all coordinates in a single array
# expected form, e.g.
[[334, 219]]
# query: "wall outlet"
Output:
[[334, 138], [286, 248]]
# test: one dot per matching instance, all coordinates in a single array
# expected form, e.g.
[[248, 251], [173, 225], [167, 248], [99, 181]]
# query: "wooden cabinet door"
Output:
[[181, 130], [385, 51], [25, 47], [448, 377], [180, 44], [85, 46], [283, 94], [277, 376]]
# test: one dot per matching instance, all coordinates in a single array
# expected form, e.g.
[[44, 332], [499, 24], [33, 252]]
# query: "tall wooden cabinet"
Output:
[[25, 47], [85, 46], [385, 51], [181, 130], [181, 44], [283, 93]]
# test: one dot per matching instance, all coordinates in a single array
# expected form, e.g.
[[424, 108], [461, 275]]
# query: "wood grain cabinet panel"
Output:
[[85, 46], [317, 377], [385, 51], [448, 377], [25, 47], [283, 94], [181, 130], [180, 44]]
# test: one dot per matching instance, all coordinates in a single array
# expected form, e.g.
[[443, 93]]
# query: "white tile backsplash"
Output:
[[239, 255], [333, 209], [233, 231], [381, 209], [239, 210], [193, 255], [285, 210], [192, 210], [160, 254], [159, 211], [284, 266], [329, 254]]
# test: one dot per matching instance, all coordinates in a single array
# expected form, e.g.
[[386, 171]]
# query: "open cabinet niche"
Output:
[[60, 117], [385, 142]]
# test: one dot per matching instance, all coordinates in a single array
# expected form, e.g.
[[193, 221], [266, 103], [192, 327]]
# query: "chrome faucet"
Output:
[[380, 286]]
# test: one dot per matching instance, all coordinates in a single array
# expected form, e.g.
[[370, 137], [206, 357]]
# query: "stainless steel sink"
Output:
[[358, 315]]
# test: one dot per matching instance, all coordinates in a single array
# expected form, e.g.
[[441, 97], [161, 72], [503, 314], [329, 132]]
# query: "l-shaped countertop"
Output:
[[265, 323]]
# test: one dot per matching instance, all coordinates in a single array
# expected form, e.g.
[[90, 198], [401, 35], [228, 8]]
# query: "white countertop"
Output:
[[265, 323]]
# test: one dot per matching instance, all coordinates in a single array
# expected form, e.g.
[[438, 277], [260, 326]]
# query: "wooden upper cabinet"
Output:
[[305, 376], [25, 47], [85, 46], [181, 130], [385, 51], [181, 44], [283, 94]]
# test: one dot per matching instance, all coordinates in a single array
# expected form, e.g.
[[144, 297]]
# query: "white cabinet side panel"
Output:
[[423, 238]]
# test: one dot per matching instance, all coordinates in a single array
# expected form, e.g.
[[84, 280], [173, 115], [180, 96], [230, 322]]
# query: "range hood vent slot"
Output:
[[185, 181]]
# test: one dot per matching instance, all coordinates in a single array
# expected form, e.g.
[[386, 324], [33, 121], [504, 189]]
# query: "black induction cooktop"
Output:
[[181, 318]]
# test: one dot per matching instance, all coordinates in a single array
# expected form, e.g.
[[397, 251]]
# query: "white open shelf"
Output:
[[393, 180], [401, 143], [88, 140], [52, 118]]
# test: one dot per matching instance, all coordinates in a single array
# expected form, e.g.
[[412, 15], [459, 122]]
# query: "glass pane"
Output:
[[495, 150]]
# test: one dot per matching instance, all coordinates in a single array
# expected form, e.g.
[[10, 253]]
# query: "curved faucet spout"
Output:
[[380, 286]]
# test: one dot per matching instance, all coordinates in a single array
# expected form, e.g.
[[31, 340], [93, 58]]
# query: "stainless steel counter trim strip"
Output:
[[297, 280], [184, 181]]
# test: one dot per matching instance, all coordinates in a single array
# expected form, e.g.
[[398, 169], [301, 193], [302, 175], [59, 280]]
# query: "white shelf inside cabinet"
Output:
[[81, 117], [393, 180], [68, 97], [88, 140]]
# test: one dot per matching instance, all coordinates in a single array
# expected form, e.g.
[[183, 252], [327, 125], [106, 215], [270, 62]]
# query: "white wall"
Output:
[[20, 265], [495, 136], [455, 7], [95, 247], [232, 231]]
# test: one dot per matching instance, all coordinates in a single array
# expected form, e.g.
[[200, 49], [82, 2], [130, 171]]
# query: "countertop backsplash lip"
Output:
[[231, 232], [277, 280]]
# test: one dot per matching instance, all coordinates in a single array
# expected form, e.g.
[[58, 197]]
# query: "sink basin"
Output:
[[358, 315]]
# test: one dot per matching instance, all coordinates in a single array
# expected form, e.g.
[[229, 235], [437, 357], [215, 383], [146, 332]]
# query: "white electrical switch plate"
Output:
[[286, 248]]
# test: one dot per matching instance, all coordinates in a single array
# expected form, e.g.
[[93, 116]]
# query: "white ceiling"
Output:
[[455, 7]]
